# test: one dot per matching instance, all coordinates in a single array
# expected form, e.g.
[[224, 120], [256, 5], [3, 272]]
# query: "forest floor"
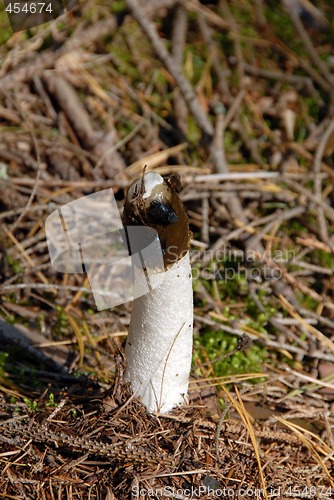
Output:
[[238, 98]]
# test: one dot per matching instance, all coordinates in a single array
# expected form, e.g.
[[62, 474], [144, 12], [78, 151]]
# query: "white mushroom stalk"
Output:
[[159, 343]]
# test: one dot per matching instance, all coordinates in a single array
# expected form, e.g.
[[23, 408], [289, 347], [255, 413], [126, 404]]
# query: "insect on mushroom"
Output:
[[159, 343]]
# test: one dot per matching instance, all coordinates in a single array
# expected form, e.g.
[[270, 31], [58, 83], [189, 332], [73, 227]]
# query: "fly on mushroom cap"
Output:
[[149, 201], [152, 201]]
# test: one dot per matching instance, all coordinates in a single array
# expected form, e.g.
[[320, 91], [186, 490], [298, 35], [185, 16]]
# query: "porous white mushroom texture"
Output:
[[159, 344], [160, 339]]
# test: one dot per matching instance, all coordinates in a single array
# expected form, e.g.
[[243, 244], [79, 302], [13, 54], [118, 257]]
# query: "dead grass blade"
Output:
[[153, 160], [246, 419], [311, 329], [26, 257], [313, 447], [227, 379], [78, 335]]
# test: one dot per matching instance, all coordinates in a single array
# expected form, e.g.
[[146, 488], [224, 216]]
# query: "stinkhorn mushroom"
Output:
[[159, 343]]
